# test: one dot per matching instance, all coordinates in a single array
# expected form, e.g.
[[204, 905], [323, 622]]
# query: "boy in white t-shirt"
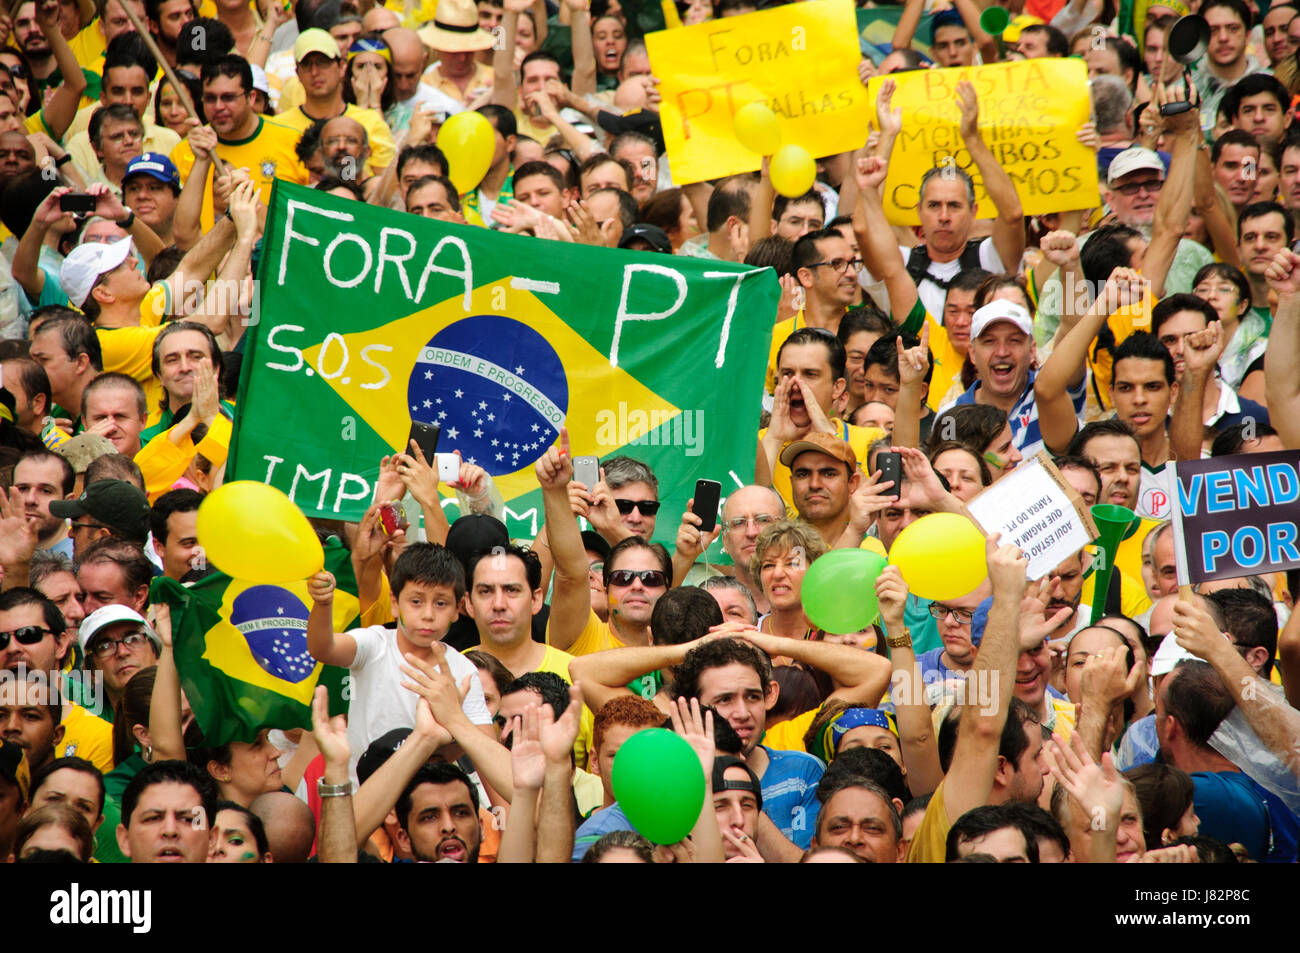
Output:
[[427, 583]]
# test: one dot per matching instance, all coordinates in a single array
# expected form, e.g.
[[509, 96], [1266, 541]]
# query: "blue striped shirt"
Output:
[[1025, 433], [790, 793]]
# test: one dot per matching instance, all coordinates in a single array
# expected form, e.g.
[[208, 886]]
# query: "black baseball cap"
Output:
[[379, 751], [119, 505], [476, 533], [644, 121], [595, 542], [652, 235]]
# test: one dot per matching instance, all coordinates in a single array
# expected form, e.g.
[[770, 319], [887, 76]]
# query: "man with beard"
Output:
[[345, 151], [165, 19], [438, 816]]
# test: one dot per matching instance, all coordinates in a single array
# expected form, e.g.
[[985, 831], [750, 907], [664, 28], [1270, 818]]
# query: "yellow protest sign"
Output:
[[800, 59], [1029, 114]]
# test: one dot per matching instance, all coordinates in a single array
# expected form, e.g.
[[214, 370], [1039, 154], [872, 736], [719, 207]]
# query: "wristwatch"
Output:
[[333, 790], [128, 221], [903, 641]]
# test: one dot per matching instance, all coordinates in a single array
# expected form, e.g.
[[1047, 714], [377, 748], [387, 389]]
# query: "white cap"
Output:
[[1131, 160], [85, 263], [1001, 309], [107, 615], [260, 80], [1169, 654]]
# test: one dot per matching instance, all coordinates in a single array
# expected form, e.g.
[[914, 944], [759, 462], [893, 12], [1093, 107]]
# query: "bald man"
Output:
[[410, 57], [290, 826], [379, 19]]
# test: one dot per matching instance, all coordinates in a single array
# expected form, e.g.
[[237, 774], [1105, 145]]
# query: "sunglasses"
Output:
[[651, 578], [29, 635], [647, 507]]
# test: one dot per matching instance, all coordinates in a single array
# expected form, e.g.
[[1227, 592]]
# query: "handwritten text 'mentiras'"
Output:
[[349, 260]]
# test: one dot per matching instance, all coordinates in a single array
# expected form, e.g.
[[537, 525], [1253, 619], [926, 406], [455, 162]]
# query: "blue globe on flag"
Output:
[[274, 623], [497, 389]]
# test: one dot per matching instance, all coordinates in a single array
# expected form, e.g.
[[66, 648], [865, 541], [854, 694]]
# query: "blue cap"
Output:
[[978, 620], [155, 164], [949, 17]]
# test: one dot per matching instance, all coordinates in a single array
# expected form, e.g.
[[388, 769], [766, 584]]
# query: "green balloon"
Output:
[[659, 784], [839, 590]]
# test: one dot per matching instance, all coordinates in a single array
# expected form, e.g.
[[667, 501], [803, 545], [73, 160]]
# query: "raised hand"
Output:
[[243, 208], [970, 109], [162, 623], [696, 729], [432, 682], [1195, 631], [870, 172], [889, 119], [1202, 349], [913, 362], [780, 426], [554, 468], [559, 734], [417, 475], [866, 502], [1284, 273], [891, 595], [321, 588], [1097, 787], [17, 532], [203, 141], [691, 541], [1007, 566], [331, 734], [1107, 679], [1060, 247], [527, 759]]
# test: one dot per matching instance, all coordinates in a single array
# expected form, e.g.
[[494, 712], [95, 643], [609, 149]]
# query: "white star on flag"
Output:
[[477, 433], [459, 392], [428, 375], [452, 433], [519, 370], [499, 457]]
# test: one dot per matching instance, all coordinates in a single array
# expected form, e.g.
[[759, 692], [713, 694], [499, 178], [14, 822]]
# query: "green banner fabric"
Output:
[[241, 649], [876, 27], [370, 319]]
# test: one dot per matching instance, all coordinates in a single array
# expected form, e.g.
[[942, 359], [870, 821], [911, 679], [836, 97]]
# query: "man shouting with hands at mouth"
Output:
[[810, 378]]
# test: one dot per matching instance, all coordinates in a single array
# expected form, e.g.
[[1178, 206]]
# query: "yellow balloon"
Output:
[[468, 141], [253, 531], [793, 171], [941, 556], [757, 129]]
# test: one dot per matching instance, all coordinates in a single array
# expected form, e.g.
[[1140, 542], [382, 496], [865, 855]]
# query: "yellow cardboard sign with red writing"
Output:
[[800, 59], [1029, 114]]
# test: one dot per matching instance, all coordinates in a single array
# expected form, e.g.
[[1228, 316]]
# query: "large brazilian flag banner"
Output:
[[371, 318]]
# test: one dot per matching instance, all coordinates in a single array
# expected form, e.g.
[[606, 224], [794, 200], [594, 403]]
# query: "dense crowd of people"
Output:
[[493, 681]]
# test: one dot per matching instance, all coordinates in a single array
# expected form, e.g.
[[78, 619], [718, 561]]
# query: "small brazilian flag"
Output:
[[369, 319], [241, 649]]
